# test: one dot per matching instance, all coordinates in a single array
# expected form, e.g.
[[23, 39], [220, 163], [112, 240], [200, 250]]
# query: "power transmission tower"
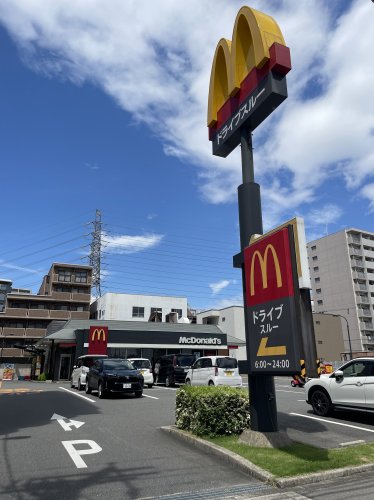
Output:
[[95, 255]]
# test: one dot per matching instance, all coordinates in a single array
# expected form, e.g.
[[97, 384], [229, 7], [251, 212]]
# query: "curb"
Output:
[[251, 469]]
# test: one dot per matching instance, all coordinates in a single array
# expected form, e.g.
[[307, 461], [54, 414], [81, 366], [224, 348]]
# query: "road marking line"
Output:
[[167, 388], [79, 395], [301, 400], [332, 422], [152, 397], [281, 390], [352, 443]]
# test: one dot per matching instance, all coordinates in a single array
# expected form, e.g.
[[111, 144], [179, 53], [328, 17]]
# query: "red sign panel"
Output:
[[268, 269], [98, 340]]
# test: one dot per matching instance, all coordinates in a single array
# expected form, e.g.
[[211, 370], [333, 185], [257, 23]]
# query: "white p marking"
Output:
[[75, 454]]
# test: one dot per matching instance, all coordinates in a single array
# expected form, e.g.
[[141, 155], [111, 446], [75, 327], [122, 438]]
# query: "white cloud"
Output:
[[29, 270], [220, 285], [154, 59], [126, 244], [368, 192]]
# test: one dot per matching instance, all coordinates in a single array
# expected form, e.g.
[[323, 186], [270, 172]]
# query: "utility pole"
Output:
[[95, 254]]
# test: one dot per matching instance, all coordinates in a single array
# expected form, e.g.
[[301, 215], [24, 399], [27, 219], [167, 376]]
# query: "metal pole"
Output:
[[263, 408], [349, 335]]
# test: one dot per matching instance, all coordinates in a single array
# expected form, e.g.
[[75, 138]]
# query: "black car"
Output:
[[174, 367], [114, 375]]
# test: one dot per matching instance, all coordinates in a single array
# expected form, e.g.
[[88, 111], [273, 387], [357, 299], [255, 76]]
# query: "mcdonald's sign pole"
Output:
[[248, 81]]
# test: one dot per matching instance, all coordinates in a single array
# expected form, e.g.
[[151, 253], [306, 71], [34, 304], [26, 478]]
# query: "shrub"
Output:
[[212, 411], [42, 377]]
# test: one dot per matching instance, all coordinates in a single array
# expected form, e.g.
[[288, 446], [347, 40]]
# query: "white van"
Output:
[[214, 370], [145, 367], [80, 370]]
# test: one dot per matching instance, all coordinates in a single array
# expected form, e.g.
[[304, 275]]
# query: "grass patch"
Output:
[[298, 458]]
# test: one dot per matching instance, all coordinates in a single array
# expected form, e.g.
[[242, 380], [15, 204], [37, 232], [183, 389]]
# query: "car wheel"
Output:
[[138, 394], [150, 386], [321, 403], [100, 391], [88, 388], [80, 386], [188, 381], [210, 382]]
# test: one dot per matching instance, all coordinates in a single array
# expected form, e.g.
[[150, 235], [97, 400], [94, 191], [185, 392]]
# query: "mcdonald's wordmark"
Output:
[[271, 310], [98, 340]]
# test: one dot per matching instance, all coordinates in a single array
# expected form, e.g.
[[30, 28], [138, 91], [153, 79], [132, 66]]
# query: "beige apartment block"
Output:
[[342, 276], [64, 294]]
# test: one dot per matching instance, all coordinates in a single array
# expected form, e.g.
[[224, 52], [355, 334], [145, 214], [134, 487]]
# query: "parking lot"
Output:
[[55, 439]]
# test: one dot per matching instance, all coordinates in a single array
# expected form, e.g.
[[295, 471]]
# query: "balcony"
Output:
[[80, 314], [16, 312], [59, 314], [360, 287], [355, 239], [14, 332], [362, 300], [359, 274], [38, 313], [61, 295], [355, 252], [35, 332], [365, 325], [364, 312], [369, 253], [81, 297]]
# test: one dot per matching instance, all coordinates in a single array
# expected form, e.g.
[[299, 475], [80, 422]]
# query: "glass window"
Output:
[[357, 369], [320, 302], [141, 363], [313, 247], [137, 312], [81, 276], [318, 290], [227, 363], [64, 275], [317, 280], [316, 268], [117, 364], [206, 363], [179, 311], [315, 257], [198, 363]]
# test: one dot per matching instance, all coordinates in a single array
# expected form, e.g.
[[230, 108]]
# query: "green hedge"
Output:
[[42, 377], [212, 411]]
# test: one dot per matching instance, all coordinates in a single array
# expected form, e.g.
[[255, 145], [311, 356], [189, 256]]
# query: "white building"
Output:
[[342, 275], [231, 321], [133, 307]]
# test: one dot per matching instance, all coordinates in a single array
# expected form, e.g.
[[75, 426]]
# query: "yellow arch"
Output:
[[253, 34], [263, 266]]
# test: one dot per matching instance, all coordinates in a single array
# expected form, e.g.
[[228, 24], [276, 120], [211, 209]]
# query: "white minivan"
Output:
[[80, 370], [214, 370], [145, 367]]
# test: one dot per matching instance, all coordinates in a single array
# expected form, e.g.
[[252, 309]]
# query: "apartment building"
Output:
[[342, 275], [138, 307], [64, 294]]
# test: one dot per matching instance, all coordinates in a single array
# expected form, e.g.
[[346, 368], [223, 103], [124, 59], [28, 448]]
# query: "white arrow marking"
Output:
[[65, 423]]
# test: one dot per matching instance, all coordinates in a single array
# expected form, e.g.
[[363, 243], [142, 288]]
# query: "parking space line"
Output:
[[76, 394], [167, 388], [146, 396], [332, 422], [282, 390]]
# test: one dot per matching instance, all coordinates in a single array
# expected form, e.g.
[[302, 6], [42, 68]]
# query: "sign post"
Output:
[[248, 81]]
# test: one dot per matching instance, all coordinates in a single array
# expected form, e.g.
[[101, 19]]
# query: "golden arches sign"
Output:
[[263, 260], [99, 333], [253, 35]]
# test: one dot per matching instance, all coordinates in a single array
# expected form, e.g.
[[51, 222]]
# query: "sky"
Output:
[[103, 107]]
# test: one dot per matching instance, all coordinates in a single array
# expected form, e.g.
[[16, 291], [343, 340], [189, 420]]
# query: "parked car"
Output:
[[350, 387], [214, 370], [80, 370], [114, 375], [145, 367], [174, 367]]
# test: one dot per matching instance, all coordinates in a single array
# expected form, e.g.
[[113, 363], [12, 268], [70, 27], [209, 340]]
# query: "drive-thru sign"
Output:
[[271, 298]]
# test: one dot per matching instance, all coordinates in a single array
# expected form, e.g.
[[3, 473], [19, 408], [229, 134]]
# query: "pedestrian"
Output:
[[156, 371]]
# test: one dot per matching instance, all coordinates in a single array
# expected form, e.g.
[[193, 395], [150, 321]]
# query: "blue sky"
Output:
[[103, 106]]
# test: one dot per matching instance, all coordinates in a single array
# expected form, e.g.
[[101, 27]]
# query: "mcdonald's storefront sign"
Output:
[[247, 80], [271, 297], [98, 340]]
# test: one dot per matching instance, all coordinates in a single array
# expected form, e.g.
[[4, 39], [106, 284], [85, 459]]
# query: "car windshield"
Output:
[[227, 363], [117, 364], [141, 363], [185, 360]]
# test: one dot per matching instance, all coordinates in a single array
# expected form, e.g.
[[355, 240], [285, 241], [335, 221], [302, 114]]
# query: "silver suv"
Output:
[[80, 370], [351, 387]]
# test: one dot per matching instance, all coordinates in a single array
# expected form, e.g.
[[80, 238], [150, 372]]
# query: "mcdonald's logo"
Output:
[[247, 78], [99, 334], [263, 266], [98, 340], [268, 268]]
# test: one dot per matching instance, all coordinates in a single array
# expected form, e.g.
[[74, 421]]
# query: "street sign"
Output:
[[98, 340], [272, 290]]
